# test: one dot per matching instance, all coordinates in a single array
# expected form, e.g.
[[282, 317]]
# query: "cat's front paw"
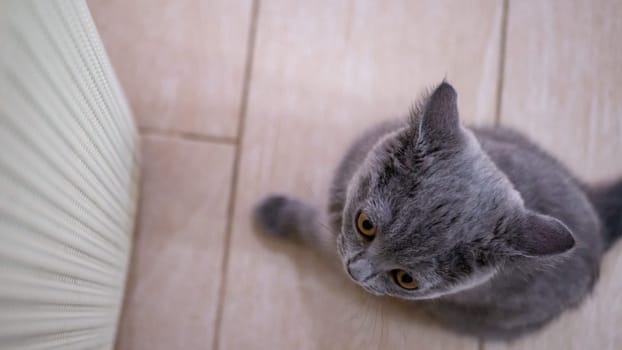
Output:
[[270, 216]]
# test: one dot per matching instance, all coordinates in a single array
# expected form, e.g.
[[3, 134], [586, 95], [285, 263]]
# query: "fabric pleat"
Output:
[[69, 172]]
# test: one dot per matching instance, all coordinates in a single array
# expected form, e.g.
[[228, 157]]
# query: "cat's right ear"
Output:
[[537, 235], [441, 121]]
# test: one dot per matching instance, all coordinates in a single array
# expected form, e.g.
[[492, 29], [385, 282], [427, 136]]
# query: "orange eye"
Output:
[[365, 226], [405, 280]]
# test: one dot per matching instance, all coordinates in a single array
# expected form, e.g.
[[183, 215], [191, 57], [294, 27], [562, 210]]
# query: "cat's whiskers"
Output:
[[366, 307], [373, 332], [381, 341], [379, 321]]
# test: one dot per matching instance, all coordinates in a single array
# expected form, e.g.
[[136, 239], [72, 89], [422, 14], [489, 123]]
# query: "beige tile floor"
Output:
[[238, 98]]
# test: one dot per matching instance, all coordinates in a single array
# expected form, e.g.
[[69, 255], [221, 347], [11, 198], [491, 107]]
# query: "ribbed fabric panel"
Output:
[[68, 180]]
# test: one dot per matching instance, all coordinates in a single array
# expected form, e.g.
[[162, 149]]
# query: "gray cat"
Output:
[[482, 228]]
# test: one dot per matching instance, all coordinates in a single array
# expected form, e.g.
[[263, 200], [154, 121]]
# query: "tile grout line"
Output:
[[481, 344], [190, 136], [501, 68], [250, 52]]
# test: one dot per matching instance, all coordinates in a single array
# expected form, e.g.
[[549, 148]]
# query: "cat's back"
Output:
[[548, 187], [545, 184]]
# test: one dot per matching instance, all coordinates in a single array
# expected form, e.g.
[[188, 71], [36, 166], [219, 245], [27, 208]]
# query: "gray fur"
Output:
[[499, 234], [607, 199], [294, 219]]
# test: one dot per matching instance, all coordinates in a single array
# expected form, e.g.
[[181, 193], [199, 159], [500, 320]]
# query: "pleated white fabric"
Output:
[[68, 180]]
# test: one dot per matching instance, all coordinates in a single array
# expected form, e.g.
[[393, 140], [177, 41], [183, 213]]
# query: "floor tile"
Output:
[[562, 80], [176, 269], [562, 87], [181, 63]]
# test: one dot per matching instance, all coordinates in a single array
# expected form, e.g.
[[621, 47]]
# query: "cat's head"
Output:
[[429, 214]]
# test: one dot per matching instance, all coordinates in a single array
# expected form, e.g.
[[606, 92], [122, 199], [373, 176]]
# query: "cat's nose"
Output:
[[359, 269]]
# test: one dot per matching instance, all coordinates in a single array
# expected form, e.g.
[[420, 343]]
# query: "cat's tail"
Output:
[[608, 202], [291, 218]]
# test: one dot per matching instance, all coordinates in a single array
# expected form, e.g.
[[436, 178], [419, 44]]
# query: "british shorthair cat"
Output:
[[479, 226]]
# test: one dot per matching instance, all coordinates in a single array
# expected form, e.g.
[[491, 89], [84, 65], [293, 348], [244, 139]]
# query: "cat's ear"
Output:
[[540, 235], [440, 118]]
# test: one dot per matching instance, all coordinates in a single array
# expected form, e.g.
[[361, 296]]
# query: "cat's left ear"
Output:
[[441, 121], [540, 235]]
